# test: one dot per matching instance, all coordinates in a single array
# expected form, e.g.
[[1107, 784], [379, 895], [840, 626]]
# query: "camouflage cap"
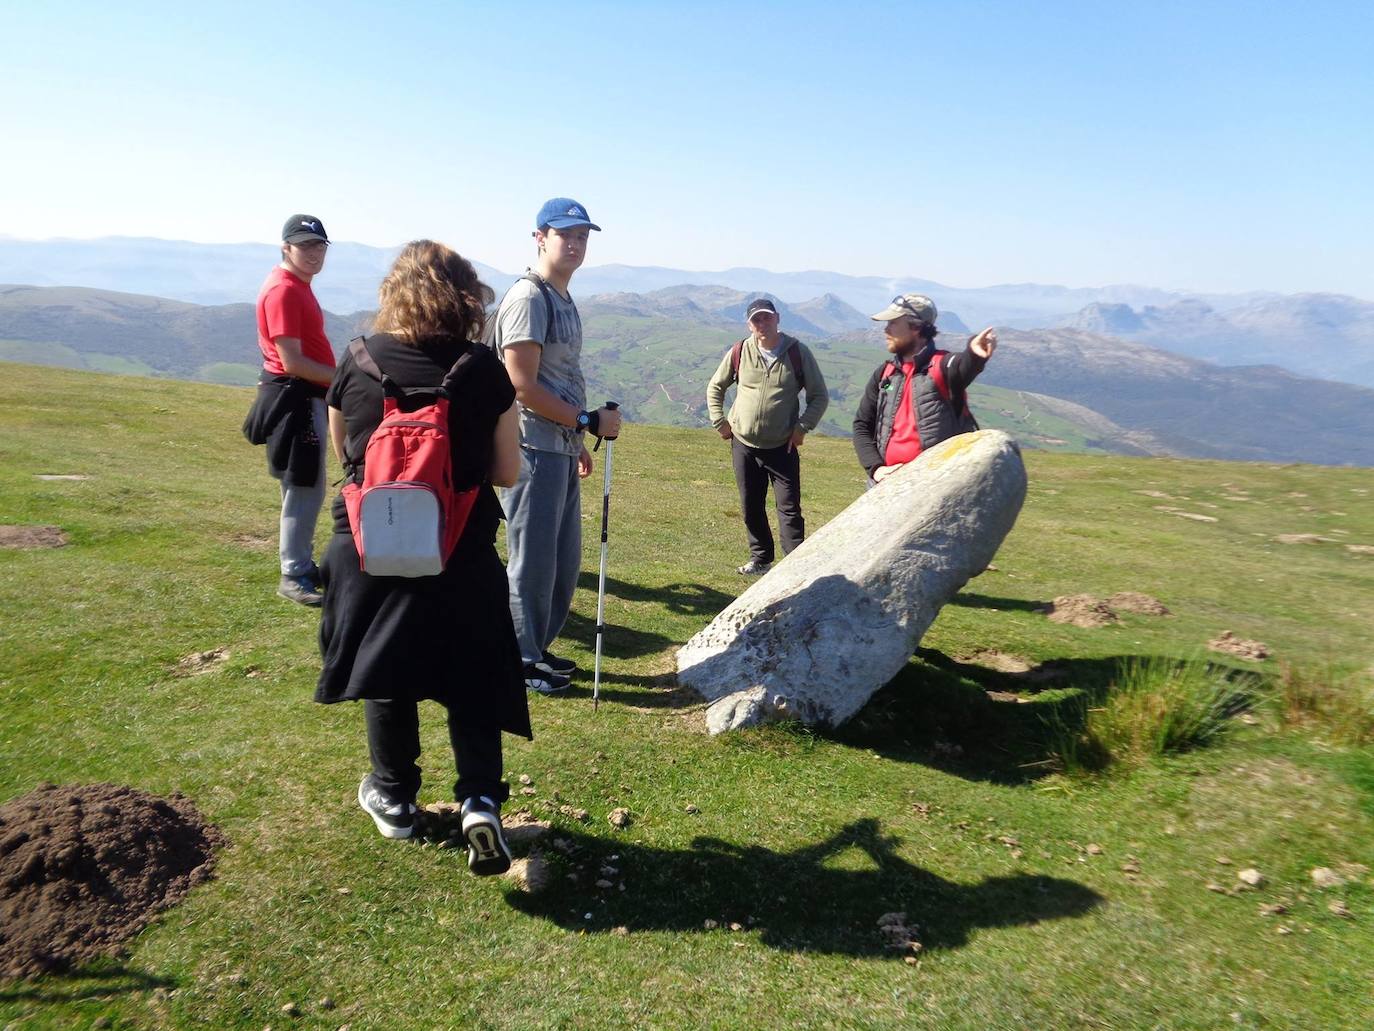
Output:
[[916, 306]]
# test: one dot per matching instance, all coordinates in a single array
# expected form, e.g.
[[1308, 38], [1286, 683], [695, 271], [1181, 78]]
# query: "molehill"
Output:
[[83, 868]]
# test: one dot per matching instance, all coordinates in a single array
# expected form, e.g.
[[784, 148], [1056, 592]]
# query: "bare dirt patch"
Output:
[[1141, 604], [1000, 661], [1197, 517], [23, 537], [254, 542], [196, 663], [75, 477], [1229, 644], [1303, 538], [1360, 549], [83, 869], [1081, 610]]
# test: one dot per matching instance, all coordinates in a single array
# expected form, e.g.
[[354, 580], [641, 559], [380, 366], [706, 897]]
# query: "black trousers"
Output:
[[755, 469], [393, 742]]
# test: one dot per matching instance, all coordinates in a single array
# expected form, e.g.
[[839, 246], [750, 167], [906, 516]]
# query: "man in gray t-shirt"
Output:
[[544, 508]]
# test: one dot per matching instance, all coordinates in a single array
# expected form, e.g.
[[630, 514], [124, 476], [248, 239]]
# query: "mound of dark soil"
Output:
[[84, 868]]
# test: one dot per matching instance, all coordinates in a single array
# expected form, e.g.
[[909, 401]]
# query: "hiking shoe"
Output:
[[539, 679], [303, 589], [488, 852], [552, 663], [753, 568], [394, 819]]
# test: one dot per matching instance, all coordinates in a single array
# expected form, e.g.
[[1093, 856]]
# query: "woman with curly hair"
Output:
[[392, 641]]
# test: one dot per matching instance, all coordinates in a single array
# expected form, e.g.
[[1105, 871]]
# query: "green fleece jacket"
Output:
[[767, 407]]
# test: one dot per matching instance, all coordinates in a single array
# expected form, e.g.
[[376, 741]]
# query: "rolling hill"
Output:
[[1054, 388]]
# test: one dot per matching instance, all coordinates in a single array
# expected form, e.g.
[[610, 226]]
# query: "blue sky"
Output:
[[1207, 146]]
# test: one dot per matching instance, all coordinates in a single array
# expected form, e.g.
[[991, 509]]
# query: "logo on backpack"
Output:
[[404, 513]]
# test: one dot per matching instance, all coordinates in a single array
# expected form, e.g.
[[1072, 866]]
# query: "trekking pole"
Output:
[[601, 580]]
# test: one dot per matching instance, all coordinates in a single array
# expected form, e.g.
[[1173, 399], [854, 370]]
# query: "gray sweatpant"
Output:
[[544, 547], [300, 507]]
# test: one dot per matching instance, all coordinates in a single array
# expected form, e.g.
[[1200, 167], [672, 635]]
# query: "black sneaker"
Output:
[[488, 853], [394, 819], [537, 678], [552, 663], [302, 589], [753, 568]]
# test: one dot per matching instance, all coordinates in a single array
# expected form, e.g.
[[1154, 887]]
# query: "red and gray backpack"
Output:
[[792, 356], [404, 512], [936, 371]]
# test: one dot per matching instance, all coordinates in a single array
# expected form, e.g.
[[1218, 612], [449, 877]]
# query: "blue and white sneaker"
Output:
[[394, 819], [556, 664], [539, 679], [488, 853]]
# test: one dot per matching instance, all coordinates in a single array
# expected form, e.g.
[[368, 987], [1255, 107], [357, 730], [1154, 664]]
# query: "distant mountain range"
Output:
[[1324, 335], [654, 353]]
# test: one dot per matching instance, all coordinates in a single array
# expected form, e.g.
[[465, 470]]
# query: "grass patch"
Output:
[[1340, 708], [1157, 706], [927, 803]]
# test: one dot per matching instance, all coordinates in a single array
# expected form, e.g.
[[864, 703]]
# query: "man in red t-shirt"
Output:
[[918, 397], [297, 361]]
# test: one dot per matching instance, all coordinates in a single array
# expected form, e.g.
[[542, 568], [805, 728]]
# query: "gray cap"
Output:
[[916, 306]]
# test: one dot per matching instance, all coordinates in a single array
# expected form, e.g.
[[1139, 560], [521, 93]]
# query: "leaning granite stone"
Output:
[[825, 628]]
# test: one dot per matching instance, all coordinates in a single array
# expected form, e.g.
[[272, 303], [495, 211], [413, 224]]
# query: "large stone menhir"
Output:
[[824, 629]]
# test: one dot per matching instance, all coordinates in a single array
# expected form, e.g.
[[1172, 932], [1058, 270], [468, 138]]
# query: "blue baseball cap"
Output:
[[563, 213]]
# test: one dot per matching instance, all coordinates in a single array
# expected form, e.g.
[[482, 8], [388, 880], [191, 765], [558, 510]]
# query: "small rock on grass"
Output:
[[291, 1010], [526, 779], [1272, 909], [620, 817], [1339, 908], [1251, 876], [530, 874], [1092, 849], [1325, 877], [692, 809]]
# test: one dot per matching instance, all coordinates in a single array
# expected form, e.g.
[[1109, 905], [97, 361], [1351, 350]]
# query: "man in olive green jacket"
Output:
[[766, 426]]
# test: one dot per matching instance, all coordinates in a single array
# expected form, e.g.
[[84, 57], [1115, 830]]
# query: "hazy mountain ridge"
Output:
[[655, 353], [1330, 336]]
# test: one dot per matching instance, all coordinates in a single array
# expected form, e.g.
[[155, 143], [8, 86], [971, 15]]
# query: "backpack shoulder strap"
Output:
[[362, 357], [889, 370], [538, 280], [794, 358], [735, 352], [936, 371]]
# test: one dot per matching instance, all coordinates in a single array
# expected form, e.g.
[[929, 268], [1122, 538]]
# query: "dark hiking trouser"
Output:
[[755, 468], [393, 742]]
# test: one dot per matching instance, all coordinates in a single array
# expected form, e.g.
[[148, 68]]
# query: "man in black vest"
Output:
[[918, 397]]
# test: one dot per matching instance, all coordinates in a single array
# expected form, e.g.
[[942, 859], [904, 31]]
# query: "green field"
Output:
[[1044, 897]]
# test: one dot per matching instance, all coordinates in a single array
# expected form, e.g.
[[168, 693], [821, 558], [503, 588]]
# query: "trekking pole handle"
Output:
[[611, 405]]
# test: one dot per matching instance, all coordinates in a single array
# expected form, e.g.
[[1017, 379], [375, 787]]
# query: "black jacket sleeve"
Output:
[[866, 424], [962, 368]]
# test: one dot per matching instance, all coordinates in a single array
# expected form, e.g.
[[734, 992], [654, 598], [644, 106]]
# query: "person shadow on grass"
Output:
[[819, 898]]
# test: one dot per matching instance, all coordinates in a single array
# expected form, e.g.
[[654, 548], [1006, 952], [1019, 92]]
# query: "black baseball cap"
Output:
[[762, 304], [300, 228]]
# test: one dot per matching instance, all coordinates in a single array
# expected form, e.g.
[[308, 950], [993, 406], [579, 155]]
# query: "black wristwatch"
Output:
[[584, 419]]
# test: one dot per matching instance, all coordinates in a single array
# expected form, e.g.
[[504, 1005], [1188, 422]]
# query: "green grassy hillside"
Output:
[[750, 883]]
